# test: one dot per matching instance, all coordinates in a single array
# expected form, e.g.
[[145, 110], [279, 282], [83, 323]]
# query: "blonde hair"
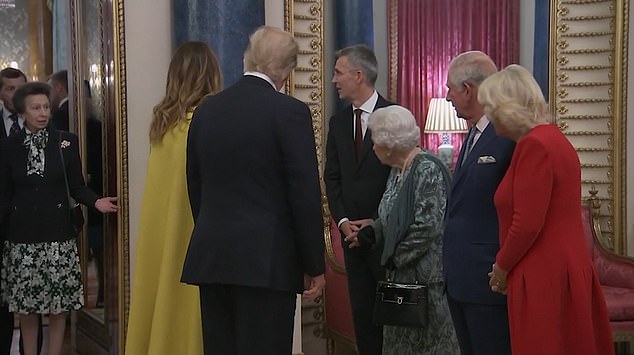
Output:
[[271, 51], [513, 98], [193, 73]]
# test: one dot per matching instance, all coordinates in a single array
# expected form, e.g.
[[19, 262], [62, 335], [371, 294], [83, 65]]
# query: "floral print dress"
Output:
[[418, 258]]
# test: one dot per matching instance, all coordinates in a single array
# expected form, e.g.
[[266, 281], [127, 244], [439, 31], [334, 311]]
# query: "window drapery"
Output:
[[429, 33]]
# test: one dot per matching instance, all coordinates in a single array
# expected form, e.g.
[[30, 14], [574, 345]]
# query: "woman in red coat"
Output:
[[555, 302]]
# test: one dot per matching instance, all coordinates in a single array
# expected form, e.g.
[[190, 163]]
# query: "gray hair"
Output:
[[471, 67], [360, 57], [394, 127], [271, 51]]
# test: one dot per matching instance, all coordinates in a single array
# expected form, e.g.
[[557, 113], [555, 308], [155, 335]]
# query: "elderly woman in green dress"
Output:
[[409, 229]]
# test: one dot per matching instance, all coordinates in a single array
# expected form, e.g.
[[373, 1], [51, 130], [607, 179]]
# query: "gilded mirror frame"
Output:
[[92, 335], [588, 97]]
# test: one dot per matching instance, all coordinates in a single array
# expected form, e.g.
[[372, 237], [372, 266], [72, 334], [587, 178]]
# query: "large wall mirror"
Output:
[[98, 72], [85, 37]]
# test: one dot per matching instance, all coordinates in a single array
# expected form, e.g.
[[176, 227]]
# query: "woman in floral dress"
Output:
[[409, 229], [39, 168]]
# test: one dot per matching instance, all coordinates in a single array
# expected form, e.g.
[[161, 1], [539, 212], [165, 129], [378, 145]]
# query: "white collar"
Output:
[[369, 104], [261, 76], [482, 123], [62, 102]]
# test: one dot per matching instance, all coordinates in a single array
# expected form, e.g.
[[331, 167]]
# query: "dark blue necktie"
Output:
[[15, 126], [469, 144]]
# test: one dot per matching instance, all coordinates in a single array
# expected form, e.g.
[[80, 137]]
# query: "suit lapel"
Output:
[[484, 139], [367, 138], [3, 131], [346, 122]]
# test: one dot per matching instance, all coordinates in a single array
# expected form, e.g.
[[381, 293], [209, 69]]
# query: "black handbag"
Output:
[[76, 218], [400, 304], [76, 215]]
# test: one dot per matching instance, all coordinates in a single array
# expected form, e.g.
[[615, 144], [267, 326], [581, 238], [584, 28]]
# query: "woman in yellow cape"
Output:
[[164, 313]]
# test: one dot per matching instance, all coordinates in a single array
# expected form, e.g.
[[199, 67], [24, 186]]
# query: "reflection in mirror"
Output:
[[26, 41], [41, 37], [91, 115], [97, 56]]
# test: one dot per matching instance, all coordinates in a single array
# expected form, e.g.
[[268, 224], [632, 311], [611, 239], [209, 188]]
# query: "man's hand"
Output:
[[355, 226], [313, 286]]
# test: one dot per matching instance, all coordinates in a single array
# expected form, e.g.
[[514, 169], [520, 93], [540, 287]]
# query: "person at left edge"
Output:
[[41, 272], [12, 123], [254, 192]]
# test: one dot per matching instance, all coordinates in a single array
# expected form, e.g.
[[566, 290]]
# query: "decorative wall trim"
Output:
[[305, 20], [588, 90]]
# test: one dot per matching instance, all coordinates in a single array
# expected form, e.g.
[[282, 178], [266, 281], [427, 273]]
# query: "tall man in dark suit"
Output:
[[10, 80], [471, 238], [355, 182], [253, 185], [59, 99]]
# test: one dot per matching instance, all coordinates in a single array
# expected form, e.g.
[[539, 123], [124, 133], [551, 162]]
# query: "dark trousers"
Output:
[[6, 330], [240, 320], [364, 271], [482, 329]]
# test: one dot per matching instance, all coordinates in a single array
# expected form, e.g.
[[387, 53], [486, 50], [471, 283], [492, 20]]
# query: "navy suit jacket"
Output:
[[60, 118], [471, 239], [354, 188], [253, 184]]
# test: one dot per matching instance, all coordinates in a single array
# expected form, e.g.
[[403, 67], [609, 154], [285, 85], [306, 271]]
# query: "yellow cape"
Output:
[[164, 313]]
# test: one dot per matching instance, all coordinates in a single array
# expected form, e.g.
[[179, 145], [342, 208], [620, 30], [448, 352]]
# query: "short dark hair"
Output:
[[61, 77], [28, 89], [10, 73], [361, 57]]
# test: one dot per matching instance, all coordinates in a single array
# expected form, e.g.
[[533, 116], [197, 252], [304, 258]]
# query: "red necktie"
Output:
[[358, 132]]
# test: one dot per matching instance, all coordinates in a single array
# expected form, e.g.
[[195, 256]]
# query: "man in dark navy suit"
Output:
[[471, 234], [10, 80], [59, 99], [355, 182], [253, 184]]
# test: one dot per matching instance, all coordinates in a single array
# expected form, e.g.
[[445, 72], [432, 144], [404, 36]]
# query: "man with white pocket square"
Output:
[[471, 237]]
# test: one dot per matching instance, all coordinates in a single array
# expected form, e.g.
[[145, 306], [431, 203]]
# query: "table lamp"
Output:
[[442, 119]]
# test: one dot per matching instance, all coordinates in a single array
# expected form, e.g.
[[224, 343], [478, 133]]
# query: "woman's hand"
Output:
[[107, 204], [497, 279]]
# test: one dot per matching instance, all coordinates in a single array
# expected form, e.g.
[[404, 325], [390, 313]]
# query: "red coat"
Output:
[[555, 302]]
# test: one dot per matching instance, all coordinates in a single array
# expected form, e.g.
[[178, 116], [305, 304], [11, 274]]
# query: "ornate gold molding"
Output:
[[589, 41], [123, 226], [393, 49], [305, 19]]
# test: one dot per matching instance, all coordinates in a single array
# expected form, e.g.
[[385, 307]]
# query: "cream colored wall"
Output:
[[148, 52]]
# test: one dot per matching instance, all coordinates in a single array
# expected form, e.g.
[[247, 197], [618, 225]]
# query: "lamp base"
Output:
[[445, 154]]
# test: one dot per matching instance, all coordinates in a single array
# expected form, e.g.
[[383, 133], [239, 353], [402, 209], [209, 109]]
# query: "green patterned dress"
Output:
[[418, 256]]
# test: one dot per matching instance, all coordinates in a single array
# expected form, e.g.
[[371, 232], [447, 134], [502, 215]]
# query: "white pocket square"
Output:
[[486, 159]]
